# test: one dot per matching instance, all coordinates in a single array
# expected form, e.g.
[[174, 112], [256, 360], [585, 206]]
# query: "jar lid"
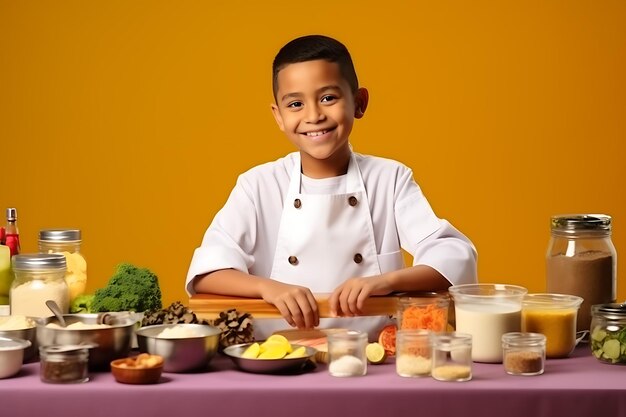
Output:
[[523, 339], [60, 235], [572, 223], [610, 310], [39, 261]]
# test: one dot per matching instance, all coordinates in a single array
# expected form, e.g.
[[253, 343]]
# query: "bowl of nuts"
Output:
[[141, 369]]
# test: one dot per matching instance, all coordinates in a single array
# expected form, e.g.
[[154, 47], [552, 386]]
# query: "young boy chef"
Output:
[[325, 219]]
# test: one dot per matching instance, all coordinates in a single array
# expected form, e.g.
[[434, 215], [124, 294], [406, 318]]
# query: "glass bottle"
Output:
[[38, 277], [12, 234], [523, 353], [67, 242], [581, 260], [346, 351]]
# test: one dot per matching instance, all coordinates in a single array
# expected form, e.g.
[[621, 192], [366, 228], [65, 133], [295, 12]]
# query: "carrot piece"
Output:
[[429, 317]]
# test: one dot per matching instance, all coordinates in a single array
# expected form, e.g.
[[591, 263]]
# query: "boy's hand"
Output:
[[348, 298], [295, 303]]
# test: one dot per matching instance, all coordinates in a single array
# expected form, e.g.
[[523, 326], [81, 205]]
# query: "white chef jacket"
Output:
[[244, 232]]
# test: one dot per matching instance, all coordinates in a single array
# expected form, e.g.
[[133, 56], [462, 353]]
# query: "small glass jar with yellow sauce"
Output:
[[553, 315]]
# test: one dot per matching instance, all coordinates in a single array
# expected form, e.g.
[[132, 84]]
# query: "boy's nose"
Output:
[[313, 114]]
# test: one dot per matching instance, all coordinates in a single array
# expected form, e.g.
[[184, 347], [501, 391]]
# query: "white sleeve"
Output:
[[432, 241], [229, 240]]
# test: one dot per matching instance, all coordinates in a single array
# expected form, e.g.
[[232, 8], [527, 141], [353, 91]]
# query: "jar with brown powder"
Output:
[[581, 260]]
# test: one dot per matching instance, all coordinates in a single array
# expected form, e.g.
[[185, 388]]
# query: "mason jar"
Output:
[[608, 327], [67, 242], [581, 260], [38, 277]]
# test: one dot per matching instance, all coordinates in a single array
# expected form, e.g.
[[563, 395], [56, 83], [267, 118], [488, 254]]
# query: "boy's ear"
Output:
[[361, 99], [278, 117]]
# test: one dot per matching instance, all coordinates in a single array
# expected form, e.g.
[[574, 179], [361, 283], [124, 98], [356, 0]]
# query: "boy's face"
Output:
[[316, 109]]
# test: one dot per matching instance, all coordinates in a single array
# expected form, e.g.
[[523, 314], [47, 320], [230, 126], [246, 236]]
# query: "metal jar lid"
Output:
[[38, 261], [60, 235], [610, 311], [574, 223]]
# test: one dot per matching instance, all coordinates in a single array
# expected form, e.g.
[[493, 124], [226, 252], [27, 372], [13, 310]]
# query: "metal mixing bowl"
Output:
[[29, 333], [112, 342], [181, 354], [270, 366]]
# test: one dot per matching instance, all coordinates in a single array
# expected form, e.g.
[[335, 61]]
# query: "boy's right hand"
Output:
[[295, 303]]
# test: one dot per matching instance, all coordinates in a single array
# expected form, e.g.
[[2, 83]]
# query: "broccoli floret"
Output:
[[129, 289], [82, 304]]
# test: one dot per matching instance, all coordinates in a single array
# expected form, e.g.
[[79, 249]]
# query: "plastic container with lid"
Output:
[[553, 315], [581, 260], [524, 353], [608, 333], [38, 277], [67, 242]]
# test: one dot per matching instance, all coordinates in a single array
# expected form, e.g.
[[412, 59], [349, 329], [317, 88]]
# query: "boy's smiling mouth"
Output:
[[316, 133]]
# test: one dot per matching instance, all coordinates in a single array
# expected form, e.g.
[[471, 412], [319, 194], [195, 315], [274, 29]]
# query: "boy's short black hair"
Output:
[[311, 48]]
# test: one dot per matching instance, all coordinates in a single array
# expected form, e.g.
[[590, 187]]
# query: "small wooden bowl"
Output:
[[128, 374]]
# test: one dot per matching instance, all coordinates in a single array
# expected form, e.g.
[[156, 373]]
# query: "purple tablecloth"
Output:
[[576, 386]]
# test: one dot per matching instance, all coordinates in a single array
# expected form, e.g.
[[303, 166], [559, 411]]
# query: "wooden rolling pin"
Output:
[[208, 306]]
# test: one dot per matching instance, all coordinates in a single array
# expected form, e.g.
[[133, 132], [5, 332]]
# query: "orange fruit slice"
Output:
[[387, 338]]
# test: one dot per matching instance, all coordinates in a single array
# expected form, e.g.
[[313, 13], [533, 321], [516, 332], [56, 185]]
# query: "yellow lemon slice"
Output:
[[375, 353], [299, 352], [276, 340], [274, 351], [252, 352]]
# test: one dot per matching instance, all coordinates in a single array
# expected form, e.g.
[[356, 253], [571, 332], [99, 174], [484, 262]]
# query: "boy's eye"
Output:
[[295, 104], [329, 98]]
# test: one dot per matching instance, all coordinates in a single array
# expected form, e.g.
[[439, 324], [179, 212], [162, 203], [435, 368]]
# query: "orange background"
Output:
[[132, 119]]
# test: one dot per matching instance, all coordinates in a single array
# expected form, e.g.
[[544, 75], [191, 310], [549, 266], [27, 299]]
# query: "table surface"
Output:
[[576, 386]]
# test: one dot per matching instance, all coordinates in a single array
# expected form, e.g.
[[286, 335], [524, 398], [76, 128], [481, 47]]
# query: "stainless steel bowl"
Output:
[[270, 366], [180, 354], [30, 334], [11, 356], [112, 342]]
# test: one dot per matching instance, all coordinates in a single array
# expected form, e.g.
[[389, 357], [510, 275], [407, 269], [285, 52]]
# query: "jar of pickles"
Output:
[[608, 332], [38, 277], [67, 242]]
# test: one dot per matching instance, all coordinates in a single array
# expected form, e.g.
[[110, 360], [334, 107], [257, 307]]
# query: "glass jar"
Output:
[[553, 315], [523, 353], [413, 353], [64, 364], [346, 351], [452, 356], [428, 312], [581, 260], [487, 311], [608, 332], [67, 242], [38, 277]]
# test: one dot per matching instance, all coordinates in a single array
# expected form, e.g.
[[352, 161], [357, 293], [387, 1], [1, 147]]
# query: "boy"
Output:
[[325, 219]]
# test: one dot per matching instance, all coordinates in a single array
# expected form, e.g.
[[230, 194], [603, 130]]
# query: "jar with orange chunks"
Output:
[[553, 315], [423, 313]]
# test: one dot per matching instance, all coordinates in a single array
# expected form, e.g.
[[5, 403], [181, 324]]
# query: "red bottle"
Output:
[[12, 239]]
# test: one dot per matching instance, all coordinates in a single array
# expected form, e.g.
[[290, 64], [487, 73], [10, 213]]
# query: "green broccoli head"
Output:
[[82, 304], [129, 289]]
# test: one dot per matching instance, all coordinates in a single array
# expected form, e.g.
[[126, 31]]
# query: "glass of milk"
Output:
[[487, 311]]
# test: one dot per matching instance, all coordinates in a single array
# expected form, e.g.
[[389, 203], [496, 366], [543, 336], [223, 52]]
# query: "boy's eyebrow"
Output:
[[319, 90]]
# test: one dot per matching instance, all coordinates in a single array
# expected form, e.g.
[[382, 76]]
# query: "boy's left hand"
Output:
[[348, 298]]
